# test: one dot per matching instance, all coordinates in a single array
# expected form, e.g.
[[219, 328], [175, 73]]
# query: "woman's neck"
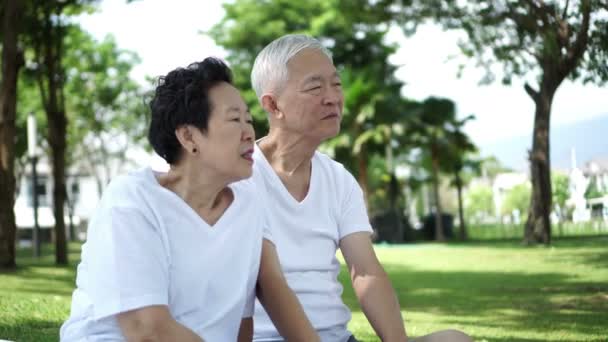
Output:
[[201, 190]]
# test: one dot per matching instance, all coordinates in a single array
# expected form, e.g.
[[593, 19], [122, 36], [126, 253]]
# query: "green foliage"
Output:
[[593, 189], [517, 200], [526, 37], [101, 98], [105, 106], [560, 184], [358, 49], [479, 203]]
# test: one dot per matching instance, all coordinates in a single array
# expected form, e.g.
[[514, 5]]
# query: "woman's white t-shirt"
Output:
[[146, 247]]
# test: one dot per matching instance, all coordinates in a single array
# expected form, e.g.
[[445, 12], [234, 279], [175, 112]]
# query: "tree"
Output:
[[461, 164], [549, 40], [359, 52], [516, 201], [479, 203], [430, 128], [12, 60], [46, 23], [105, 106], [560, 183]]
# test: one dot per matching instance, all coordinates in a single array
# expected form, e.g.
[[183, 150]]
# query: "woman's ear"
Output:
[[269, 103], [185, 136]]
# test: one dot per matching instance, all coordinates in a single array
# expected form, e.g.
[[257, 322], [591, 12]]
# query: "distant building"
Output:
[[596, 172], [81, 192], [503, 183]]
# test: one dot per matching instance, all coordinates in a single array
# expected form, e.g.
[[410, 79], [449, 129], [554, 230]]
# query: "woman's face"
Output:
[[227, 146]]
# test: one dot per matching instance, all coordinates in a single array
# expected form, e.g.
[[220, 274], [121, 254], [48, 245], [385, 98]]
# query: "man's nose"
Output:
[[333, 95]]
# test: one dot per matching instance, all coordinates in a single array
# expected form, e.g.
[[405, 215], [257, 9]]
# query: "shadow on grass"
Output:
[[511, 301], [30, 330], [600, 241]]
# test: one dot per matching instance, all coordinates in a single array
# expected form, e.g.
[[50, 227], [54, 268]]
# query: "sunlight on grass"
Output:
[[495, 291], [498, 291]]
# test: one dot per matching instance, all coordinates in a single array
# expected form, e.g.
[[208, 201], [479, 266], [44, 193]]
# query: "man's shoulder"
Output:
[[329, 164]]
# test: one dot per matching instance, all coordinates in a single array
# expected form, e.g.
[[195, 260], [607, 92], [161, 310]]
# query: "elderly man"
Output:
[[316, 206]]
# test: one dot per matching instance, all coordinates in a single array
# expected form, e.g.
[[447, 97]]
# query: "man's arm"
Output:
[[280, 302], [154, 323], [373, 288]]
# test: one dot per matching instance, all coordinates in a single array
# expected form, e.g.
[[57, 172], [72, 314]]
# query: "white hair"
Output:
[[270, 66]]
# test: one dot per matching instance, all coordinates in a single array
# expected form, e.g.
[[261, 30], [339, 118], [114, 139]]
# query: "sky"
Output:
[[168, 34]]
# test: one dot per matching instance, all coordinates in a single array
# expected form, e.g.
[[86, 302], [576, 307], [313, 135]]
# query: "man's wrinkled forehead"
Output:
[[311, 63]]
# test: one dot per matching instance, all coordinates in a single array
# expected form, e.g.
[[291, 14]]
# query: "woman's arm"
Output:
[[246, 330], [280, 302]]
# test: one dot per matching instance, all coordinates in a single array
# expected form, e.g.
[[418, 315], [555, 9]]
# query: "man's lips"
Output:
[[331, 116]]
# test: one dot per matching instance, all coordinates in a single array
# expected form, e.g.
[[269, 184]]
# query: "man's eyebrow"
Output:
[[318, 78], [313, 78]]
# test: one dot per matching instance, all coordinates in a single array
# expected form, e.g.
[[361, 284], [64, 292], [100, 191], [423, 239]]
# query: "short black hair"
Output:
[[182, 98]]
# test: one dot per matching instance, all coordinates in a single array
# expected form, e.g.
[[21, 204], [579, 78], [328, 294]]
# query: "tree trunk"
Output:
[[12, 60], [463, 228], [439, 234], [538, 224], [57, 126], [50, 48]]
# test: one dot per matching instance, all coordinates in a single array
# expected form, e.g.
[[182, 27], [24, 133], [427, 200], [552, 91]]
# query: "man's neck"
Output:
[[288, 153]]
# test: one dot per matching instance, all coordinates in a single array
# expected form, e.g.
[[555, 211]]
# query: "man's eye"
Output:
[[314, 88]]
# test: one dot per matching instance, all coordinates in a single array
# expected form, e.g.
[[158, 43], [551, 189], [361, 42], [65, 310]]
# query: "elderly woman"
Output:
[[176, 256]]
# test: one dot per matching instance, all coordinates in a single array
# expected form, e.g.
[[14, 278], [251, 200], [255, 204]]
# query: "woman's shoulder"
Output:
[[129, 187]]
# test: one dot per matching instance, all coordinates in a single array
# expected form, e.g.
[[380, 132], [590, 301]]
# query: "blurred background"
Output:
[[477, 124]]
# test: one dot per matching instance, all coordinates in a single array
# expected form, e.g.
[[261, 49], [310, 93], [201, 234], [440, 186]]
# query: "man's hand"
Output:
[[373, 288]]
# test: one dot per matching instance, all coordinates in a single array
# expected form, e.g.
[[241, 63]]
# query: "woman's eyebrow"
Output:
[[237, 109]]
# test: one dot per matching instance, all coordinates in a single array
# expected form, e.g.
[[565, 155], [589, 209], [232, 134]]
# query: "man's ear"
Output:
[[185, 137], [269, 103]]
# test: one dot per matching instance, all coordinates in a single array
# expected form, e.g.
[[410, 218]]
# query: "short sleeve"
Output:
[[353, 213], [249, 304], [266, 212], [127, 264]]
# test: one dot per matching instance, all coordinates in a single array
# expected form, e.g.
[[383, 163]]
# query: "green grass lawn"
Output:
[[495, 291]]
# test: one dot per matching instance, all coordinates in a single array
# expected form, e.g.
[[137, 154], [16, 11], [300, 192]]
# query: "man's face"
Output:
[[312, 99]]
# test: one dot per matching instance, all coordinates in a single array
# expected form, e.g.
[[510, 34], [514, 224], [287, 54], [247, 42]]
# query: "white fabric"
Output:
[[307, 236], [146, 247]]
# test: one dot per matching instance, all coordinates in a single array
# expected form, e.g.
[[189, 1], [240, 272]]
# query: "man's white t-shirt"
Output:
[[146, 247], [307, 235]]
